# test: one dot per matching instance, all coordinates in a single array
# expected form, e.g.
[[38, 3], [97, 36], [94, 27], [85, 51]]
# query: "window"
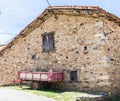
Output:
[[73, 76], [48, 41]]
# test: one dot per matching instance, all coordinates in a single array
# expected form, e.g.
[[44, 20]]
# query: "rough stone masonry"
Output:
[[87, 48]]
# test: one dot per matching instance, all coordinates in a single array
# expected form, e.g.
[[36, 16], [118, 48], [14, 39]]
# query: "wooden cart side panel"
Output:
[[41, 76]]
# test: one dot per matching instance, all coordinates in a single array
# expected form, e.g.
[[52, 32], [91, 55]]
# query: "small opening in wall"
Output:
[[81, 24], [112, 59], [70, 65], [108, 49], [66, 57], [33, 57], [85, 48], [28, 48], [77, 52]]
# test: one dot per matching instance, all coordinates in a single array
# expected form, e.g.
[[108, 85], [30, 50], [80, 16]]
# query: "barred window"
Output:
[[48, 41]]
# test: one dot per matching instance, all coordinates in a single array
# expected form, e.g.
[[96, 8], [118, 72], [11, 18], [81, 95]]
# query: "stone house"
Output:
[[84, 41]]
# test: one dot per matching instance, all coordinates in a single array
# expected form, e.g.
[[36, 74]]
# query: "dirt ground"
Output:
[[14, 95]]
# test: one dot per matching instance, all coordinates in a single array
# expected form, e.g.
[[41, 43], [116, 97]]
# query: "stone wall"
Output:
[[72, 35]]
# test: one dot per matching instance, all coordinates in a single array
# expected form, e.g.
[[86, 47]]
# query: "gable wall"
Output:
[[72, 33]]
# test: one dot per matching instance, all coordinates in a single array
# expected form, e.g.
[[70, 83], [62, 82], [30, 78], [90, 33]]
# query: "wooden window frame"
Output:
[[74, 79], [48, 42]]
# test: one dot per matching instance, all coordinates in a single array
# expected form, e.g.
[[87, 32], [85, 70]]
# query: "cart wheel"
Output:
[[35, 85]]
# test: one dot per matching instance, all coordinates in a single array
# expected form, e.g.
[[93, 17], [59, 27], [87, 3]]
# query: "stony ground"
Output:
[[7, 94]]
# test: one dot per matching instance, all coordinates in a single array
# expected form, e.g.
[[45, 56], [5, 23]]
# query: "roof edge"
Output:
[[117, 19]]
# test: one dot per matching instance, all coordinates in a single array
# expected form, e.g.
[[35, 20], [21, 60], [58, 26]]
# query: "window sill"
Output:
[[48, 50], [73, 81]]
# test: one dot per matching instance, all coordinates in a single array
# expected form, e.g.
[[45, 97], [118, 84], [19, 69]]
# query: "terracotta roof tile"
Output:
[[94, 8], [75, 7]]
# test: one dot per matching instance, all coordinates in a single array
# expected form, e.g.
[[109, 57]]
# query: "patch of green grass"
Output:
[[55, 94]]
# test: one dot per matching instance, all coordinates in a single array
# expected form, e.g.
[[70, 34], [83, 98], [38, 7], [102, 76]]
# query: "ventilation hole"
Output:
[[81, 24], [66, 57], [33, 57], [112, 59], [85, 48], [77, 52], [108, 49]]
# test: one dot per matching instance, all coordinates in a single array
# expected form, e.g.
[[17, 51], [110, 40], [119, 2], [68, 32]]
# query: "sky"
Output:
[[15, 15]]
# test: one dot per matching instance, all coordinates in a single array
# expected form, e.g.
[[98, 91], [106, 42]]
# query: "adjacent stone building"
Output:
[[84, 41]]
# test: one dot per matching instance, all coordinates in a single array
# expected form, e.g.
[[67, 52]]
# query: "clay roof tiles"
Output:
[[75, 7], [101, 13]]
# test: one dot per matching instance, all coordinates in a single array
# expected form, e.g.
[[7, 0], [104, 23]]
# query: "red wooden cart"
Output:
[[37, 77]]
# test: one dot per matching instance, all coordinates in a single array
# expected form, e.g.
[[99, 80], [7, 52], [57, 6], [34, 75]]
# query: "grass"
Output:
[[54, 94]]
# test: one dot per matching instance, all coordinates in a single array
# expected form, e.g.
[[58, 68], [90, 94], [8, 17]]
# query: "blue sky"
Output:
[[16, 14]]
